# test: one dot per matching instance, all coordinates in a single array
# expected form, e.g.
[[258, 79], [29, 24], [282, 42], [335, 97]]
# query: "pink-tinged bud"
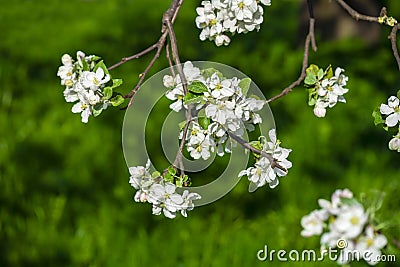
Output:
[[143, 197], [319, 112], [394, 144]]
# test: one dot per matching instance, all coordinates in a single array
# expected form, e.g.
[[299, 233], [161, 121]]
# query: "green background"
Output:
[[64, 191]]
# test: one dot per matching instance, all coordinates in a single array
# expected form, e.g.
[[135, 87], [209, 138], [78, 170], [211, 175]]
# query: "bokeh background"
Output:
[[64, 191]]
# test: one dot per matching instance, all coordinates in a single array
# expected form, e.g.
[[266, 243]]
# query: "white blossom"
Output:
[[350, 221], [313, 223], [188, 198], [176, 94], [392, 110], [93, 80], [394, 144], [332, 90], [371, 243], [164, 198], [217, 17], [263, 172]]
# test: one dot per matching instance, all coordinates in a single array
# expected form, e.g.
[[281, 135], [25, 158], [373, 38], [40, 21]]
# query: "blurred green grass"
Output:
[[64, 192]]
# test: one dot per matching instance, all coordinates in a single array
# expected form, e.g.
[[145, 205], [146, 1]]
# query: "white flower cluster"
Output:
[[327, 88], [218, 17], [345, 224], [263, 171], [87, 83], [221, 105], [162, 194], [392, 113]]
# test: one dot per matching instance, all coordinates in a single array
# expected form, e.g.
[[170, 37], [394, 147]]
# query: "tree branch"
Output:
[[355, 14], [309, 39], [393, 39], [381, 19], [257, 151]]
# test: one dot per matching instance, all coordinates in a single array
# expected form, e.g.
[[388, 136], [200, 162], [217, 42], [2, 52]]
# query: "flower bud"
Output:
[[394, 144], [66, 60], [319, 112], [168, 81]]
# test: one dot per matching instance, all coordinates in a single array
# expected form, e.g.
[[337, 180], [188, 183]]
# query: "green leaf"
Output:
[[312, 101], [255, 97], [320, 74], [182, 125], [100, 64], [207, 73], [312, 97], [85, 65], [329, 72], [97, 109], [313, 69], [310, 79], [192, 99], [197, 87], [244, 84], [107, 92], [398, 94], [117, 100], [171, 170], [168, 177], [204, 122], [376, 114], [116, 83], [155, 174]]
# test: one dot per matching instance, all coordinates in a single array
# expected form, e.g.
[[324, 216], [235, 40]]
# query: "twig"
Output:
[[125, 59], [257, 151], [171, 65], [393, 35], [309, 39], [170, 14], [311, 14], [393, 39], [355, 14]]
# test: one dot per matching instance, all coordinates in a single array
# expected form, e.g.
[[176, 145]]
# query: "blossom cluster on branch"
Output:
[[389, 116], [88, 83], [216, 18], [326, 88], [344, 223], [160, 191], [223, 109]]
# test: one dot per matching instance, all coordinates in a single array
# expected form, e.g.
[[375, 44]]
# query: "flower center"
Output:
[[218, 86], [354, 221], [84, 106], [370, 242], [68, 82], [213, 22], [241, 5], [95, 81]]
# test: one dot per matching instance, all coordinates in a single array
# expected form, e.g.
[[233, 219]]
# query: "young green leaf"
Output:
[[197, 87], [320, 74], [117, 100], [204, 122], [376, 114], [107, 92], [244, 84], [192, 98], [100, 64], [116, 83], [171, 170]]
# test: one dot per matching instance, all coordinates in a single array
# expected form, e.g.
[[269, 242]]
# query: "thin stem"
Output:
[[309, 38], [257, 151], [393, 40], [135, 56], [355, 14]]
